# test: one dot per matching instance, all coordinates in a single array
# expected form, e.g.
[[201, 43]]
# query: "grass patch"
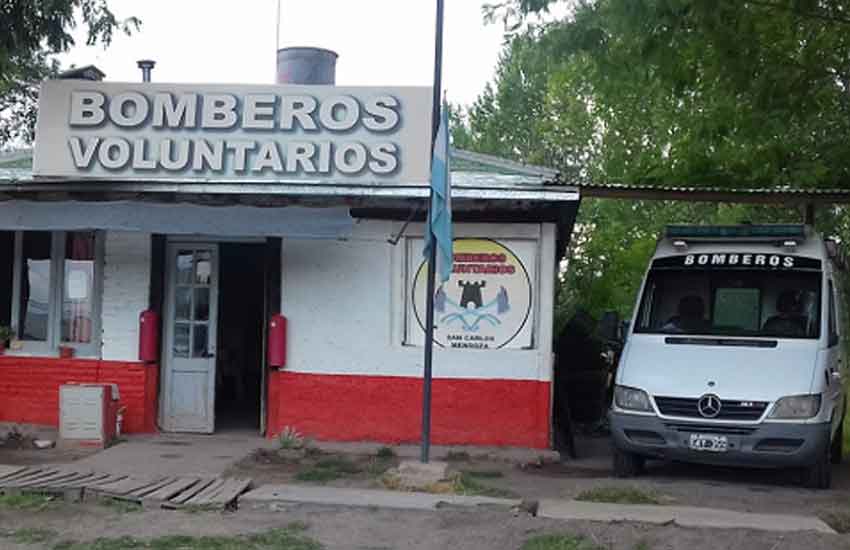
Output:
[[483, 474], [120, 506], [458, 456], [32, 535], [643, 545], [341, 464], [289, 538], [378, 466], [840, 521], [466, 484], [385, 453], [617, 495], [328, 469], [26, 501], [559, 542]]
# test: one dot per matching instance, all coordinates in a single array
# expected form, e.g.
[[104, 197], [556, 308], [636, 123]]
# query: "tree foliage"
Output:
[[31, 30], [715, 93]]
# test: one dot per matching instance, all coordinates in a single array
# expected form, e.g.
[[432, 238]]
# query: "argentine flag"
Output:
[[440, 213]]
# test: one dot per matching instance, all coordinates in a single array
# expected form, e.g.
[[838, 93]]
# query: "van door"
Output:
[[834, 394]]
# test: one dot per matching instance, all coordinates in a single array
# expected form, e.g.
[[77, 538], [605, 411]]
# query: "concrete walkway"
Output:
[[275, 494], [688, 516], [270, 495], [174, 454]]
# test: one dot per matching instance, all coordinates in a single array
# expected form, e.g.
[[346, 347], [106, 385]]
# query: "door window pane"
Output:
[[203, 267], [184, 267], [78, 287], [35, 286], [181, 340], [202, 304], [199, 342], [183, 302]]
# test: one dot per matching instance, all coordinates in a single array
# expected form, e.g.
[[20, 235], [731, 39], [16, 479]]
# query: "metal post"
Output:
[[432, 257]]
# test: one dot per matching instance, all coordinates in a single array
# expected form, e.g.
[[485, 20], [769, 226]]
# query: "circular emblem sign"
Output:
[[485, 303]]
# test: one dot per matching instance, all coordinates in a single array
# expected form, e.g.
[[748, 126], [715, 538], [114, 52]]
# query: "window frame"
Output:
[[833, 330], [50, 346]]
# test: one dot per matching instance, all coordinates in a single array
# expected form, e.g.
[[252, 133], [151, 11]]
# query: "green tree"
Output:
[[32, 30], [670, 92]]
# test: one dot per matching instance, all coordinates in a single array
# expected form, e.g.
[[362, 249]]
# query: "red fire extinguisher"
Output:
[[149, 336], [277, 341]]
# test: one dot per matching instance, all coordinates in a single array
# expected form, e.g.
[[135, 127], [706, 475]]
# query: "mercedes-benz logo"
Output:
[[709, 405]]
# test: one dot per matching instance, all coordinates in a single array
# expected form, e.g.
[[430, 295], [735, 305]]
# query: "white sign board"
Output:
[[487, 303], [310, 134]]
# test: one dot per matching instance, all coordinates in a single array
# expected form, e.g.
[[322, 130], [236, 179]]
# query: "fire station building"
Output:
[[250, 257]]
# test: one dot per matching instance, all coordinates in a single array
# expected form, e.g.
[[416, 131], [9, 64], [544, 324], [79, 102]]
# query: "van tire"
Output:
[[627, 464], [819, 474], [836, 451]]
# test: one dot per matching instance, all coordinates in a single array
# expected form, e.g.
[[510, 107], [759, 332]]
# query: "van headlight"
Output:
[[796, 407], [631, 399]]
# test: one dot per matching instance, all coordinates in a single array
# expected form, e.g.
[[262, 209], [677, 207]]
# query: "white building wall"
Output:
[[345, 303], [126, 284]]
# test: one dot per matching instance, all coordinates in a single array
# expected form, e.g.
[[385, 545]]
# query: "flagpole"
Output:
[[432, 256]]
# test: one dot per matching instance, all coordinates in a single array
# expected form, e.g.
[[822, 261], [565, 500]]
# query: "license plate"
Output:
[[709, 443]]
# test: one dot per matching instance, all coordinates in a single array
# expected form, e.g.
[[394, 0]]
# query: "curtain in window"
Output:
[[35, 286], [78, 287]]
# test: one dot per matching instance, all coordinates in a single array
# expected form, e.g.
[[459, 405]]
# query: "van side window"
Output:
[[833, 322]]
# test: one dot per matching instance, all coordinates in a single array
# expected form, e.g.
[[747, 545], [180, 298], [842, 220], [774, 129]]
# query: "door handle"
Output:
[[207, 355]]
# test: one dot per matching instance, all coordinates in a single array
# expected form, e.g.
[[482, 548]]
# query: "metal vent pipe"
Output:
[[146, 65], [302, 65]]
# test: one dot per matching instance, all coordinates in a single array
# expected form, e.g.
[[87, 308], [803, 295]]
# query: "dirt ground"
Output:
[[22, 452], [746, 490], [727, 488], [371, 529]]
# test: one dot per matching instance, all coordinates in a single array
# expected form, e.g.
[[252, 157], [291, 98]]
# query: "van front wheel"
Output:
[[819, 474], [627, 464]]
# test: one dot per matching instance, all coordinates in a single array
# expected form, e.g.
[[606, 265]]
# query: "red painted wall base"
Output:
[[389, 409], [29, 388]]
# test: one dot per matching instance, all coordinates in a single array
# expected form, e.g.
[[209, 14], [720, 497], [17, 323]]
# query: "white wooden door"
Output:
[[191, 314]]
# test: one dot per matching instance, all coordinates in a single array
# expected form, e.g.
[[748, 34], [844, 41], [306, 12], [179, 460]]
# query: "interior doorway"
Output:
[[241, 321]]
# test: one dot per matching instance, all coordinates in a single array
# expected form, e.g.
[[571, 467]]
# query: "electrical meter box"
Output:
[[88, 414]]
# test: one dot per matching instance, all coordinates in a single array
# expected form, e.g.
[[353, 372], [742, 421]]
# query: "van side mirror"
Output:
[[609, 326]]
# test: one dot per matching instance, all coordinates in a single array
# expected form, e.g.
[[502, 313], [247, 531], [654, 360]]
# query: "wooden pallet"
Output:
[[150, 492]]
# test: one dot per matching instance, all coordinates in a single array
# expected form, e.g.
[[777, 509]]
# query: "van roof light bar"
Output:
[[772, 232]]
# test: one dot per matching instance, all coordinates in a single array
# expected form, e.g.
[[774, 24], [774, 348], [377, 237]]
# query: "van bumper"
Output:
[[766, 445]]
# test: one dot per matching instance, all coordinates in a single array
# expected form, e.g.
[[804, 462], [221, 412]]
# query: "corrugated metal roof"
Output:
[[774, 195]]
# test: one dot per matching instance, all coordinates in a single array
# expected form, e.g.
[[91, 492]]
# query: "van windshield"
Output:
[[740, 302]]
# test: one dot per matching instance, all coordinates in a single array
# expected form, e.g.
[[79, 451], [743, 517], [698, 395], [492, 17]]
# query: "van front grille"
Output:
[[730, 410]]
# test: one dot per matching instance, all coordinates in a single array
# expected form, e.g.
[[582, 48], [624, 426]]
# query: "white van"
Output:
[[734, 355]]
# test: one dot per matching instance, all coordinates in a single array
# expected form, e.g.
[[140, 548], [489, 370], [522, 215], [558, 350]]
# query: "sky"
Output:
[[380, 42]]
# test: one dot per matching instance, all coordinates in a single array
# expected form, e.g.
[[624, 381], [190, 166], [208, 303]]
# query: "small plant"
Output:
[[385, 453], [616, 495], [559, 542], [290, 439], [6, 334]]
